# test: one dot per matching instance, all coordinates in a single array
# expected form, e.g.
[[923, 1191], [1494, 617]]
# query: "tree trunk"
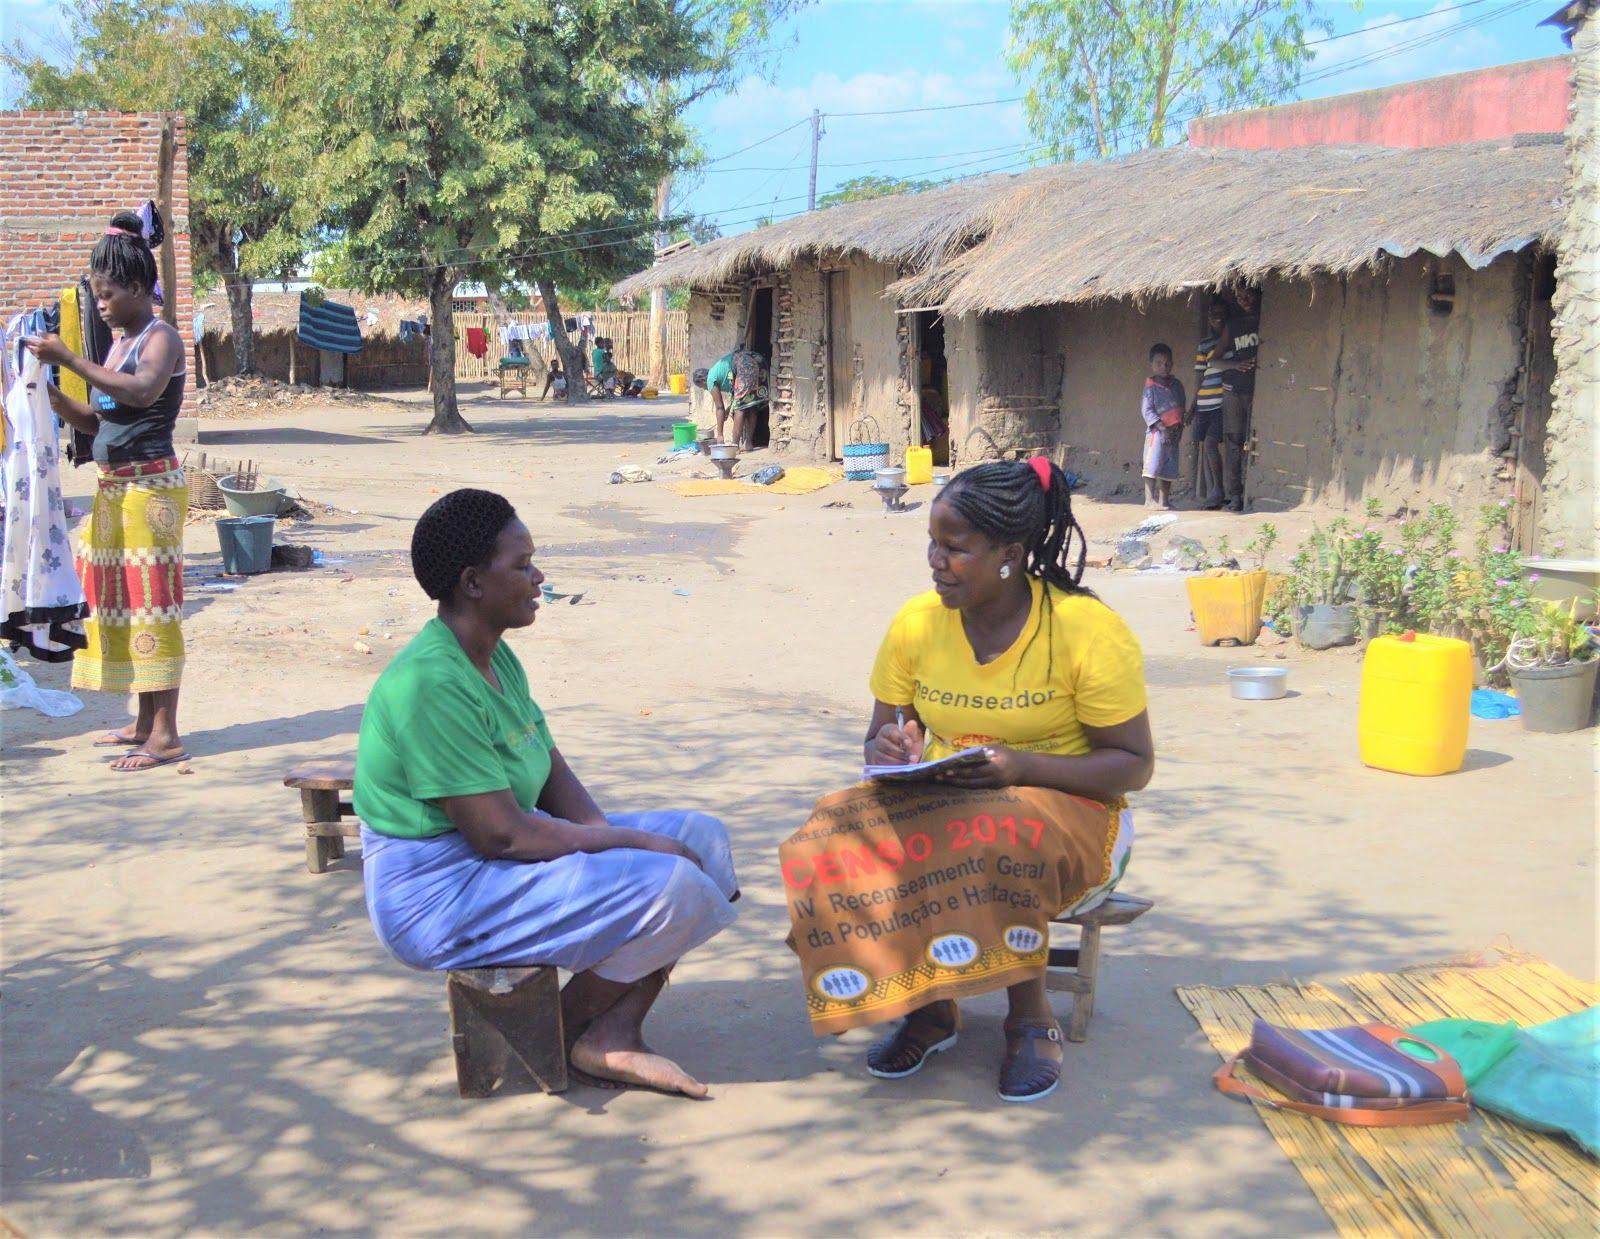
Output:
[[447, 419], [237, 287], [658, 297], [570, 354]]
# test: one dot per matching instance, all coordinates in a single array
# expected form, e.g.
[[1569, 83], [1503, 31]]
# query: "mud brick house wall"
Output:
[[63, 175]]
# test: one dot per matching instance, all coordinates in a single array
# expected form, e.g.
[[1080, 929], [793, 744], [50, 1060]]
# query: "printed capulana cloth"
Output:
[[130, 560]]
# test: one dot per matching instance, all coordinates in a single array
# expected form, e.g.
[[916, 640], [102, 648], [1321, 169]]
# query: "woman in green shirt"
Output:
[[480, 844], [738, 384]]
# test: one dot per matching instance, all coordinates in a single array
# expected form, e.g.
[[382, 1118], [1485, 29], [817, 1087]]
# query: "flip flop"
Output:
[[113, 741], [153, 760]]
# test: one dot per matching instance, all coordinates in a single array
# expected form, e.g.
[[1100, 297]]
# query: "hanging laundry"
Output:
[[42, 605], [477, 341], [329, 325], [96, 337]]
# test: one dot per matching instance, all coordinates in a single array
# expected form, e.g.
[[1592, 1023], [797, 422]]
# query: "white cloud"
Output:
[[1444, 48]]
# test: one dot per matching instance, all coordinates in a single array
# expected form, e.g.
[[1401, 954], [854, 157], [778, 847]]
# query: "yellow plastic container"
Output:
[[678, 384], [1416, 700], [919, 466], [1228, 608]]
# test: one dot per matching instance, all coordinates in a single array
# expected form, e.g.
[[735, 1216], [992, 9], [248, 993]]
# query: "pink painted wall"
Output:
[[1529, 97]]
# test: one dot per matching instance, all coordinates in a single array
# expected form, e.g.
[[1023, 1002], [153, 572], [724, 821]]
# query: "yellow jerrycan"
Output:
[[1416, 700]]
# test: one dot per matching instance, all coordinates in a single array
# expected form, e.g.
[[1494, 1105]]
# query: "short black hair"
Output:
[[457, 532], [123, 255], [1161, 350]]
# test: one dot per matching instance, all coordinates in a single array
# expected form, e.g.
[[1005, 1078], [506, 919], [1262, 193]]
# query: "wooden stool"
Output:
[[323, 809], [513, 377], [504, 1018], [1075, 970]]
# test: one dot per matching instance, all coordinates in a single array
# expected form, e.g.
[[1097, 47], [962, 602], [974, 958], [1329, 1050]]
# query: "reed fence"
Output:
[[629, 332]]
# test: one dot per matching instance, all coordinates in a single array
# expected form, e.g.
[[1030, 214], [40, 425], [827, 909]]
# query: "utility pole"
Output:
[[658, 296], [816, 137]]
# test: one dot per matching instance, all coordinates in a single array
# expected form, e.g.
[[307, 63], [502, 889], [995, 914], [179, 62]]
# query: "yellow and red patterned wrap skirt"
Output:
[[130, 560]]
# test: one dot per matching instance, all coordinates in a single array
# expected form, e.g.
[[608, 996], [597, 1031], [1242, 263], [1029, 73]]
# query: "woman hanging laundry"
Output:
[[131, 556]]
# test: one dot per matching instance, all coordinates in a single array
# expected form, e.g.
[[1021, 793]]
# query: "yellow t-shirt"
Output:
[[1075, 662]]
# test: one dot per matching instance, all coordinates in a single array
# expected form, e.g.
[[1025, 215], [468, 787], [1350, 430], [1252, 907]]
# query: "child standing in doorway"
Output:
[[1162, 408]]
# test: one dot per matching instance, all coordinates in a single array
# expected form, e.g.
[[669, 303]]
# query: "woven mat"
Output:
[[1482, 1177], [801, 480]]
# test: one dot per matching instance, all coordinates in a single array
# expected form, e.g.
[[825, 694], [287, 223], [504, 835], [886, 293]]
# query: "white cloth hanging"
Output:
[[41, 600]]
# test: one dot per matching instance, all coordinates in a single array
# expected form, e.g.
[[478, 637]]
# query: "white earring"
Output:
[[1005, 572]]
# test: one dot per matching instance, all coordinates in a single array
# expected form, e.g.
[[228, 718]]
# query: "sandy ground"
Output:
[[200, 1036]]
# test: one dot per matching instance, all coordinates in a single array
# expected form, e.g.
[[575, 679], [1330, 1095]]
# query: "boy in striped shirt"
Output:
[[1205, 414]]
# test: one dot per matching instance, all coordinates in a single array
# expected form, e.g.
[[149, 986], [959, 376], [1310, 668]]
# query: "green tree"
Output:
[[1107, 76], [449, 140], [860, 188], [217, 61], [736, 38]]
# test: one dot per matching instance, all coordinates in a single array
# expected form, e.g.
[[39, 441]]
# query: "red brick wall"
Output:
[[62, 176], [1499, 102]]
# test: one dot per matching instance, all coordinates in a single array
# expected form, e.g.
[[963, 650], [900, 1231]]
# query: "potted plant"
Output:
[[1227, 599], [1322, 583], [1552, 667]]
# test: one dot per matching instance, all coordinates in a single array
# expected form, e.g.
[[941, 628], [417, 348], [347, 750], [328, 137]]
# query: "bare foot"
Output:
[[636, 1064], [149, 756]]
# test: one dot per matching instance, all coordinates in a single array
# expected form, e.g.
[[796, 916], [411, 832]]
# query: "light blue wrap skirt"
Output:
[[437, 904]]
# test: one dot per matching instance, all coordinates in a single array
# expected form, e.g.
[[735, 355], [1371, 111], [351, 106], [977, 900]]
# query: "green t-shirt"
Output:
[[435, 727], [721, 375]]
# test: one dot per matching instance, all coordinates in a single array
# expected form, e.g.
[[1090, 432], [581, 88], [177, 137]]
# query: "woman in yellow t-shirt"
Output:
[[1011, 653]]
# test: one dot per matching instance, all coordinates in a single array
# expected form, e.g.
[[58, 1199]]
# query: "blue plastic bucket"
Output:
[[246, 544]]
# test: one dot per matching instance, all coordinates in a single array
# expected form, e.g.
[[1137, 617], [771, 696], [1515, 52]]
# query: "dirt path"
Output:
[[200, 1036]]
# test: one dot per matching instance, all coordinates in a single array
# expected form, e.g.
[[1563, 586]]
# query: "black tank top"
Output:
[[127, 434]]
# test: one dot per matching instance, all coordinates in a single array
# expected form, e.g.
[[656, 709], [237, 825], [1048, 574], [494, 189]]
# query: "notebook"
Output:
[[925, 769]]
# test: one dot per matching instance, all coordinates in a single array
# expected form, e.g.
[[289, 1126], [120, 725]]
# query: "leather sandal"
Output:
[[897, 1056], [1025, 1074]]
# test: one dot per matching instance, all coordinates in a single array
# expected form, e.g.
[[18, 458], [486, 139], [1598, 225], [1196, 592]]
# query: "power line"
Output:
[[763, 142], [1398, 21]]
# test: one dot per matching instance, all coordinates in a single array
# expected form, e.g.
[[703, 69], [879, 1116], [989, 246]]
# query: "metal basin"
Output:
[[724, 451], [891, 478], [1258, 683]]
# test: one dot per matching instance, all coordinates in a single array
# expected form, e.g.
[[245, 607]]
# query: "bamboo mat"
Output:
[[801, 480], [1483, 1177]]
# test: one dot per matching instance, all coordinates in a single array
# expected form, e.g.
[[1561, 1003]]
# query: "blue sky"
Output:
[[878, 55], [872, 55]]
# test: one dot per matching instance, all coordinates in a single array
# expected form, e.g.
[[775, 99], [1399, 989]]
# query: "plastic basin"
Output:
[[267, 499], [683, 433]]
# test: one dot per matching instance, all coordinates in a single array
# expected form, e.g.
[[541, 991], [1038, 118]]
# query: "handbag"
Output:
[[1370, 1075]]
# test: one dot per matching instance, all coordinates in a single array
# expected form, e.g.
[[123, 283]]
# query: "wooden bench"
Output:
[[1075, 970], [322, 786], [506, 1022]]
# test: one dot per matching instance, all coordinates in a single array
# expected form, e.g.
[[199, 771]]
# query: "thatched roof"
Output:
[[1159, 222], [911, 229]]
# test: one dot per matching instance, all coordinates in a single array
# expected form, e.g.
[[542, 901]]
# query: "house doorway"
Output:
[[758, 339], [842, 397], [933, 386]]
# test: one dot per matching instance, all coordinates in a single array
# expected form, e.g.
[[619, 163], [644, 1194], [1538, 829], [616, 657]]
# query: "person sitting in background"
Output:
[[554, 379], [604, 365], [480, 845], [1162, 410]]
